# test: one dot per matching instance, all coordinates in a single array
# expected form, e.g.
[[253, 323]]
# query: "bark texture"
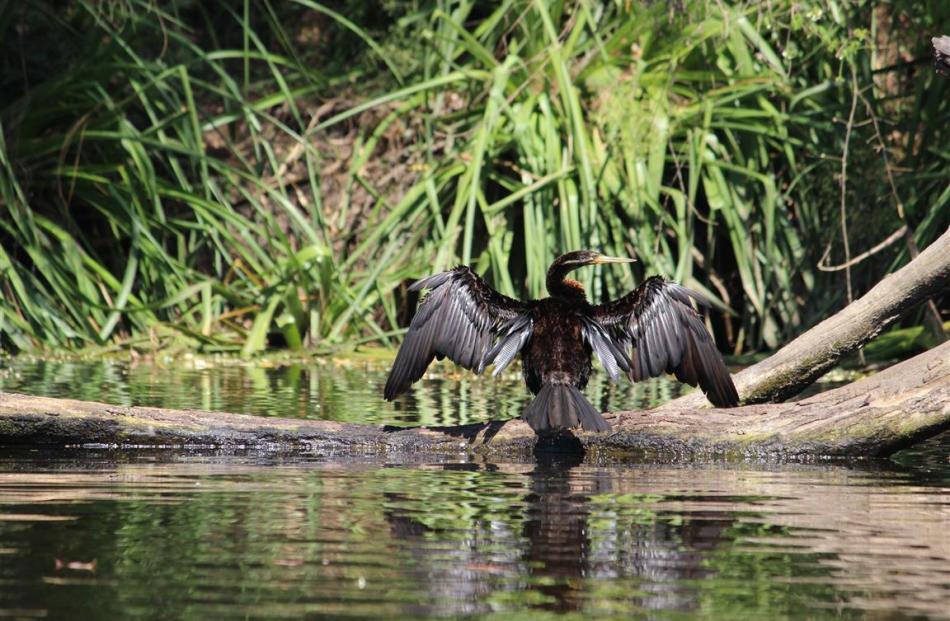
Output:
[[872, 417], [942, 55], [811, 355]]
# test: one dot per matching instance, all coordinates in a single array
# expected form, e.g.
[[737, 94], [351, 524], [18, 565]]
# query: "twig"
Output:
[[896, 235], [843, 183], [931, 315]]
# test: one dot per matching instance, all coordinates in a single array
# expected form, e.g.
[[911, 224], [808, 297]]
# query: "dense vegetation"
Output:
[[232, 176]]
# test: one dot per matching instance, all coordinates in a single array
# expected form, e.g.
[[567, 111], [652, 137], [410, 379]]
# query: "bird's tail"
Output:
[[562, 406]]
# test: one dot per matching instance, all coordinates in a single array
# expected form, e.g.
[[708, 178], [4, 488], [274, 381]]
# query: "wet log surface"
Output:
[[872, 417]]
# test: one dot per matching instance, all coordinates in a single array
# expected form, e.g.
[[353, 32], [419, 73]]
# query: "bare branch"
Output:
[[896, 235]]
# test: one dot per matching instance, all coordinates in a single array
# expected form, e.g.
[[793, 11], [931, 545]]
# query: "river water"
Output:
[[92, 534]]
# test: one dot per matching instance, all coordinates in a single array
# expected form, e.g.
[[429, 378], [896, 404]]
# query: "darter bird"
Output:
[[651, 330]]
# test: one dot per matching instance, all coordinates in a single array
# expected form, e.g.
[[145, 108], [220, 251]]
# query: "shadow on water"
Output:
[[562, 507], [558, 447]]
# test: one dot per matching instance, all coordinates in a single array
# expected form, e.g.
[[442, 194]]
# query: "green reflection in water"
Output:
[[135, 535], [333, 390], [255, 537]]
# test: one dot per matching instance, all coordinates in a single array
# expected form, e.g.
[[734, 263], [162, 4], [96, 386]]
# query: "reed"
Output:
[[202, 175]]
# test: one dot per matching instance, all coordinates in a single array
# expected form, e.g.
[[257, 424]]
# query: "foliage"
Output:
[[171, 174]]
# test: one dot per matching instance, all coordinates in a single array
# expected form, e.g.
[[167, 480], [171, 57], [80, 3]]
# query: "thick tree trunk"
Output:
[[801, 362], [872, 417]]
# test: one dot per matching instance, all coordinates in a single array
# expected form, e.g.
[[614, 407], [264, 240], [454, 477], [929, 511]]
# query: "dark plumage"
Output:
[[651, 330]]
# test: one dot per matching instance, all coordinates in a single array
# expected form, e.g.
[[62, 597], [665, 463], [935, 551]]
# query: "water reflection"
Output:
[[556, 530], [98, 535], [343, 390], [259, 537]]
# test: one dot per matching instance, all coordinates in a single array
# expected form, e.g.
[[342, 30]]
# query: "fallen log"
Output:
[[808, 357], [872, 417]]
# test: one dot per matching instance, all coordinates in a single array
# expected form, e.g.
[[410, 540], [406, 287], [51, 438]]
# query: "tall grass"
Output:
[[166, 168], [132, 230]]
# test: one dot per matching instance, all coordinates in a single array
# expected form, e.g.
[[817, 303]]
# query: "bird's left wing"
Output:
[[463, 319], [658, 325]]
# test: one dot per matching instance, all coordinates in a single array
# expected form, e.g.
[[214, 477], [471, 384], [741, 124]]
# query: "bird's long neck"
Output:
[[560, 286]]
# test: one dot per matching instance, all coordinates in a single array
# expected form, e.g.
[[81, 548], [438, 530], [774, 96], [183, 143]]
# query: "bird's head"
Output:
[[557, 281], [579, 258]]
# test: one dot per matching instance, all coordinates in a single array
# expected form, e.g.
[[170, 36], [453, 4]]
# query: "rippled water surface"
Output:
[[157, 535]]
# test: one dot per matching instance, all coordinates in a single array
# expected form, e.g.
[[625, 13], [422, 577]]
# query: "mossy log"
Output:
[[871, 417]]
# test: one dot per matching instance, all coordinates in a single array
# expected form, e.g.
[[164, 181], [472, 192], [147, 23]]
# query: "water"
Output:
[[345, 390], [158, 535]]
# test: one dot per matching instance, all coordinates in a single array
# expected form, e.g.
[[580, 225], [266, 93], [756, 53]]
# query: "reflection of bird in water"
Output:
[[557, 528], [651, 330]]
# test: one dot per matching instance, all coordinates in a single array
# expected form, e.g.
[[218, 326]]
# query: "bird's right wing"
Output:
[[463, 319]]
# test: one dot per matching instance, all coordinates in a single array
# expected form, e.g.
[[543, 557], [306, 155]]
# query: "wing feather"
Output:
[[666, 334], [611, 355], [460, 318], [515, 334]]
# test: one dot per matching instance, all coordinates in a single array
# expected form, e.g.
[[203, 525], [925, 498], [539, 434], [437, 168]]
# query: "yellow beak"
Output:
[[603, 259]]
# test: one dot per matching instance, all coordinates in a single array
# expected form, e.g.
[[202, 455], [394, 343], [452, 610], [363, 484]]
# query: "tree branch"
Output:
[[811, 355], [942, 55]]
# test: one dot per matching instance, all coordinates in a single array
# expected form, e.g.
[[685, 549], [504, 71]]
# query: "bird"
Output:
[[651, 330]]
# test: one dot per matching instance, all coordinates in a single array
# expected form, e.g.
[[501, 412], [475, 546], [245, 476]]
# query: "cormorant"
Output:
[[651, 330]]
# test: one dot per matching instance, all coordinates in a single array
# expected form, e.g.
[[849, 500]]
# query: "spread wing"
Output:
[[656, 322], [462, 319]]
